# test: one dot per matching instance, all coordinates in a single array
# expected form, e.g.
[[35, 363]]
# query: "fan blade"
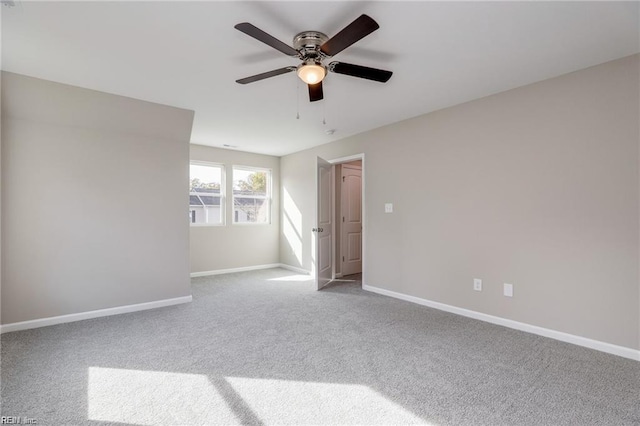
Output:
[[357, 30], [359, 71], [264, 75], [315, 92], [258, 34]]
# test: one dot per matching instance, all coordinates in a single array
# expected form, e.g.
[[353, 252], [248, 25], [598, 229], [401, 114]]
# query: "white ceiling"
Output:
[[187, 54]]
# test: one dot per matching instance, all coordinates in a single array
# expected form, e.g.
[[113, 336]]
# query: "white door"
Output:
[[351, 227], [322, 231]]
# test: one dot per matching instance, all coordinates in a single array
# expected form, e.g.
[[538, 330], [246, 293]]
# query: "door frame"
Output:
[[334, 162]]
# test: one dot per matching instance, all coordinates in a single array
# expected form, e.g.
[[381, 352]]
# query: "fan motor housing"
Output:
[[308, 43]]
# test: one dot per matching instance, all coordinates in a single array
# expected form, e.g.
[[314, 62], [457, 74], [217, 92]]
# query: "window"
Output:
[[251, 195], [206, 194]]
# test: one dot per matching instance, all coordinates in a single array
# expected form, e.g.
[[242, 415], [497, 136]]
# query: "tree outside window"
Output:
[[251, 195]]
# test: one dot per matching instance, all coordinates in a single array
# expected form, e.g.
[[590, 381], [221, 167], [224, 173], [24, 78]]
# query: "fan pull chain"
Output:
[[298, 100], [324, 113]]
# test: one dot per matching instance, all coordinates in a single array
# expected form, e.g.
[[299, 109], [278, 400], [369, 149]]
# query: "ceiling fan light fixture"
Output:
[[311, 73]]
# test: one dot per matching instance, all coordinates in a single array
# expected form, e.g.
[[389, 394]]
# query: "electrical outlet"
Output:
[[477, 284], [508, 290]]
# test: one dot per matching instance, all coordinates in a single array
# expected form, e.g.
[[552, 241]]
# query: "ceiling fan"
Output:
[[312, 48]]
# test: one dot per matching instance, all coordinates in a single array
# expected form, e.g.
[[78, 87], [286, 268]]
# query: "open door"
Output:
[[322, 231]]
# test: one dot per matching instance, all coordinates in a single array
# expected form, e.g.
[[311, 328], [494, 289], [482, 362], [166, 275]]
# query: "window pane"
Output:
[[251, 210], [206, 202], [251, 196], [250, 182]]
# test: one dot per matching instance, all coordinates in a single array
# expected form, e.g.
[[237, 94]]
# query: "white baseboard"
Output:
[[232, 270], [43, 322], [248, 268], [553, 334], [294, 269]]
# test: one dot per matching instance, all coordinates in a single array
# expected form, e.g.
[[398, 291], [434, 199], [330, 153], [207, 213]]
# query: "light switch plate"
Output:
[[477, 284], [388, 208], [508, 290]]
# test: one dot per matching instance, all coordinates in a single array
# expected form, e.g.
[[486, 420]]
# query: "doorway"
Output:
[[346, 248], [349, 216]]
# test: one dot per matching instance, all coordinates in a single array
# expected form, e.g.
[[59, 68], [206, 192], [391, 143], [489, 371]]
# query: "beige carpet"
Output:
[[264, 348]]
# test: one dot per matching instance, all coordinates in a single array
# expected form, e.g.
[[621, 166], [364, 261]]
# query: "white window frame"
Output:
[[223, 191], [268, 197]]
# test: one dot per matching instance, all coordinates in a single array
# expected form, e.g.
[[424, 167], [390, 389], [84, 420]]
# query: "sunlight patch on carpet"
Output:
[[154, 397], [297, 402]]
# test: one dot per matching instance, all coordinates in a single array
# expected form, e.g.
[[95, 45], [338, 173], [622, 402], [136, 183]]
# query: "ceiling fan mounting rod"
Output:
[[308, 43]]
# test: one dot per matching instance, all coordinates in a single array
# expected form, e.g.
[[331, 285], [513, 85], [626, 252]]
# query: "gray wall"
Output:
[[537, 187], [98, 164], [1, 200], [236, 245]]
